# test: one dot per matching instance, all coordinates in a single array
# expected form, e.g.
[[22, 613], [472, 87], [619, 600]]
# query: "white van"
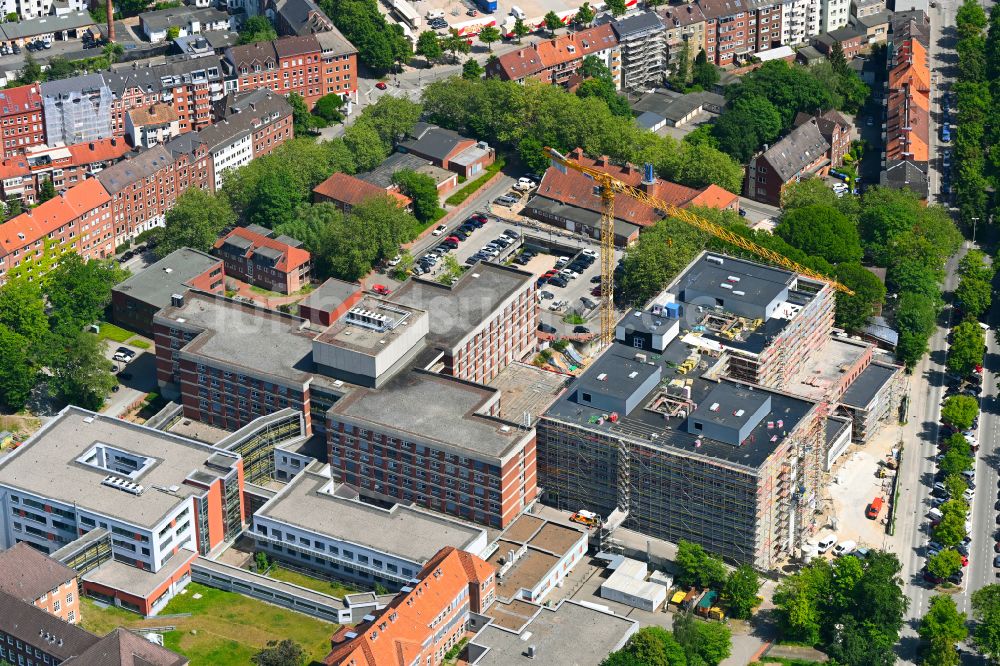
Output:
[[935, 514], [826, 543], [844, 548], [434, 14], [517, 12]]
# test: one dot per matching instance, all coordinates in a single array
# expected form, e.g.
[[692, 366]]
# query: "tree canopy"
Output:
[[941, 629], [740, 592], [380, 44], [284, 653], [968, 346], [422, 190], [823, 231], [986, 612], [697, 568], [196, 221], [960, 411], [257, 29], [650, 646], [707, 643]]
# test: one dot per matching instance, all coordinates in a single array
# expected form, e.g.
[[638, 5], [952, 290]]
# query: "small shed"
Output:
[[628, 585]]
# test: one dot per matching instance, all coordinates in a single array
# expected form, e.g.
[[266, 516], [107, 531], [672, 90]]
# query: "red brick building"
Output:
[[330, 301], [835, 129], [22, 175], [424, 620], [346, 191], [37, 579], [557, 60], [449, 150], [310, 65], [78, 220], [800, 154], [278, 264], [735, 31], [22, 118], [853, 41]]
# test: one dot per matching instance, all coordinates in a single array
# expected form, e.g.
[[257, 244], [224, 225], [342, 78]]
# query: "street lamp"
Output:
[[975, 221]]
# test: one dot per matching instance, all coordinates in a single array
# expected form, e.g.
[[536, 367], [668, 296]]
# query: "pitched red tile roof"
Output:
[[347, 189], [575, 189], [20, 99], [102, 151], [52, 215], [13, 167], [552, 52], [395, 636], [291, 257]]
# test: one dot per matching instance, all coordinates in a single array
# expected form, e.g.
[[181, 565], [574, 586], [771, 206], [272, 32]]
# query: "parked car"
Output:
[[546, 328], [587, 303], [524, 184], [381, 289], [826, 543], [510, 233], [505, 200], [546, 295], [581, 329]]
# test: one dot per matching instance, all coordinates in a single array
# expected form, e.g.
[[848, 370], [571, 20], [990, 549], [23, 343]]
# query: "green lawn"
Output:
[[224, 628], [466, 191], [140, 343], [112, 332], [334, 589]]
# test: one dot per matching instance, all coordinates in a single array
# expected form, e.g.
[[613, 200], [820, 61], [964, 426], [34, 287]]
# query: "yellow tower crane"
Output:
[[610, 187]]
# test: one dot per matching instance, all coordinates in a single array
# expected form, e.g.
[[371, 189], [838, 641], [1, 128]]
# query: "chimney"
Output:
[[91, 145], [111, 21], [603, 161], [177, 300], [114, 141]]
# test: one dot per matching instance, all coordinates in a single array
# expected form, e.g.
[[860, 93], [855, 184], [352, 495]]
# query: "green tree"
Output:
[[956, 486], [800, 599], [915, 316], [704, 73], [616, 7], [941, 629], [79, 291], [284, 653], [455, 43], [422, 190], [593, 68], [956, 461], [520, 29], [945, 563], [31, 71], [650, 646], [380, 45], [59, 68], [113, 52], [703, 642], [552, 22], [837, 58], [365, 144], [682, 71], [654, 260], [22, 310], [81, 375], [740, 592], [853, 312], [960, 411], [695, 567], [17, 372], [488, 35], [46, 190], [257, 29], [330, 108], [605, 90], [196, 221], [975, 296], [14, 208], [429, 46], [303, 121], [822, 231], [968, 346], [315, 227], [584, 15], [951, 530], [986, 613], [472, 69], [746, 126]]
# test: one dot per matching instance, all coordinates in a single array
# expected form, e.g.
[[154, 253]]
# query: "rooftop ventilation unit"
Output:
[[118, 482], [714, 407], [369, 319], [714, 259], [726, 285]]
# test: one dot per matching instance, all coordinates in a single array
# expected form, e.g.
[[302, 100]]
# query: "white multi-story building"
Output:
[[27, 9], [157, 495], [800, 21], [317, 523], [835, 14]]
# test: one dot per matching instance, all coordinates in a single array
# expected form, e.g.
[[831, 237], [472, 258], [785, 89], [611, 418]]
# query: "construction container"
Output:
[[706, 602], [678, 597], [716, 613]]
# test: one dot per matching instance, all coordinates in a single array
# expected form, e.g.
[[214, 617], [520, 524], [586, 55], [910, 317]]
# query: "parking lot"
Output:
[[456, 12]]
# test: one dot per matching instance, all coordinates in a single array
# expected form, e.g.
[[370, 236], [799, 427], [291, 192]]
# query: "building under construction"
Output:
[[688, 427]]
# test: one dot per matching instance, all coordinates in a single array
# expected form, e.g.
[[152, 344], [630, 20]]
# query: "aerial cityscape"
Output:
[[463, 332]]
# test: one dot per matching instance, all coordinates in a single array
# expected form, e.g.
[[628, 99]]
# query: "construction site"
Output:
[[706, 419]]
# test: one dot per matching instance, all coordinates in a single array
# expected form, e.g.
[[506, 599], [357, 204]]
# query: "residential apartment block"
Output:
[[835, 14], [38, 579], [21, 176], [77, 109], [852, 41], [642, 46], [366, 543], [309, 65], [801, 153], [148, 127], [684, 28], [557, 60], [907, 106], [186, 20], [162, 498], [22, 118], [78, 220], [277, 264], [735, 31], [800, 21], [426, 618]]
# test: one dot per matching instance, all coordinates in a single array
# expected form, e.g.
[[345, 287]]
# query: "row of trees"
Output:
[[853, 609], [943, 627], [34, 344], [764, 104], [978, 66], [738, 588], [528, 117], [381, 45], [692, 643]]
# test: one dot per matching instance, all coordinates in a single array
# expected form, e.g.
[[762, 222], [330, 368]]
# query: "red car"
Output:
[[454, 239], [596, 291], [381, 85], [381, 289]]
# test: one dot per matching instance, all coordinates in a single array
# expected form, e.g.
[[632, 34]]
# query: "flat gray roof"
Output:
[[344, 333], [46, 24], [133, 580], [433, 408], [330, 294], [56, 447], [459, 309], [570, 633], [760, 284], [157, 283], [868, 384], [236, 333], [412, 534]]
